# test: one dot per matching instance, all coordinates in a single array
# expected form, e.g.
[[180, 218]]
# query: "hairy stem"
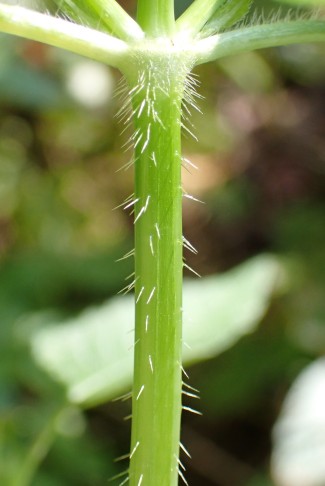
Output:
[[158, 274], [109, 13], [258, 37]]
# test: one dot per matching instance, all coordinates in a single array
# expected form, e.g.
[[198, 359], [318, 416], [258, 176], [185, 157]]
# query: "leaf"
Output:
[[218, 310], [299, 433], [91, 355]]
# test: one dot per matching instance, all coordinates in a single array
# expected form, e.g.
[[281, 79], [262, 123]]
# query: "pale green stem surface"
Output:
[[195, 17], [156, 407], [114, 17], [156, 17], [258, 37], [227, 15], [61, 33]]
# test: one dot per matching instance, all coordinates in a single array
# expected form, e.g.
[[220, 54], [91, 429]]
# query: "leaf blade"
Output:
[[94, 362]]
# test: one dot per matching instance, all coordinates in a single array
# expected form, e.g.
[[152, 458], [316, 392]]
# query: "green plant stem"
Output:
[[227, 15], [108, 12], [194, 18], [258, 37], [157, 384], [61, 33], [156, 17]]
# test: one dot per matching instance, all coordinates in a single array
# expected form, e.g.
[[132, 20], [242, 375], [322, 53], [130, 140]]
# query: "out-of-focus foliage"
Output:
[[91, 354], [299, 433], [261, 155]]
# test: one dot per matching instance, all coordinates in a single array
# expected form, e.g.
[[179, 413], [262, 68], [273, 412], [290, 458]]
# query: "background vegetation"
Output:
[[261, 159]]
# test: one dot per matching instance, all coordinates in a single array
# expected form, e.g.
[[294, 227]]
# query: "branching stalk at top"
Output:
[[258, 37], [195, 17], [61, 33], [156, 17], [109, 13]]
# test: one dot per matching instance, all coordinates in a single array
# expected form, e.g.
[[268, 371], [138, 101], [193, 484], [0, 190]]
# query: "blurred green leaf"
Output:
[[306, 271], [299, 434], [41, 444], [23, 85], [91, 354], [30, 281], [63, 466], [223, 393], [26, 433], [218, 310]]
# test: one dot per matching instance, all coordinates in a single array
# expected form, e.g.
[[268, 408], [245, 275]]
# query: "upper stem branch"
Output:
[[258, 37], [61, 33], [196, 16], [111, 14], [156, 17]]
